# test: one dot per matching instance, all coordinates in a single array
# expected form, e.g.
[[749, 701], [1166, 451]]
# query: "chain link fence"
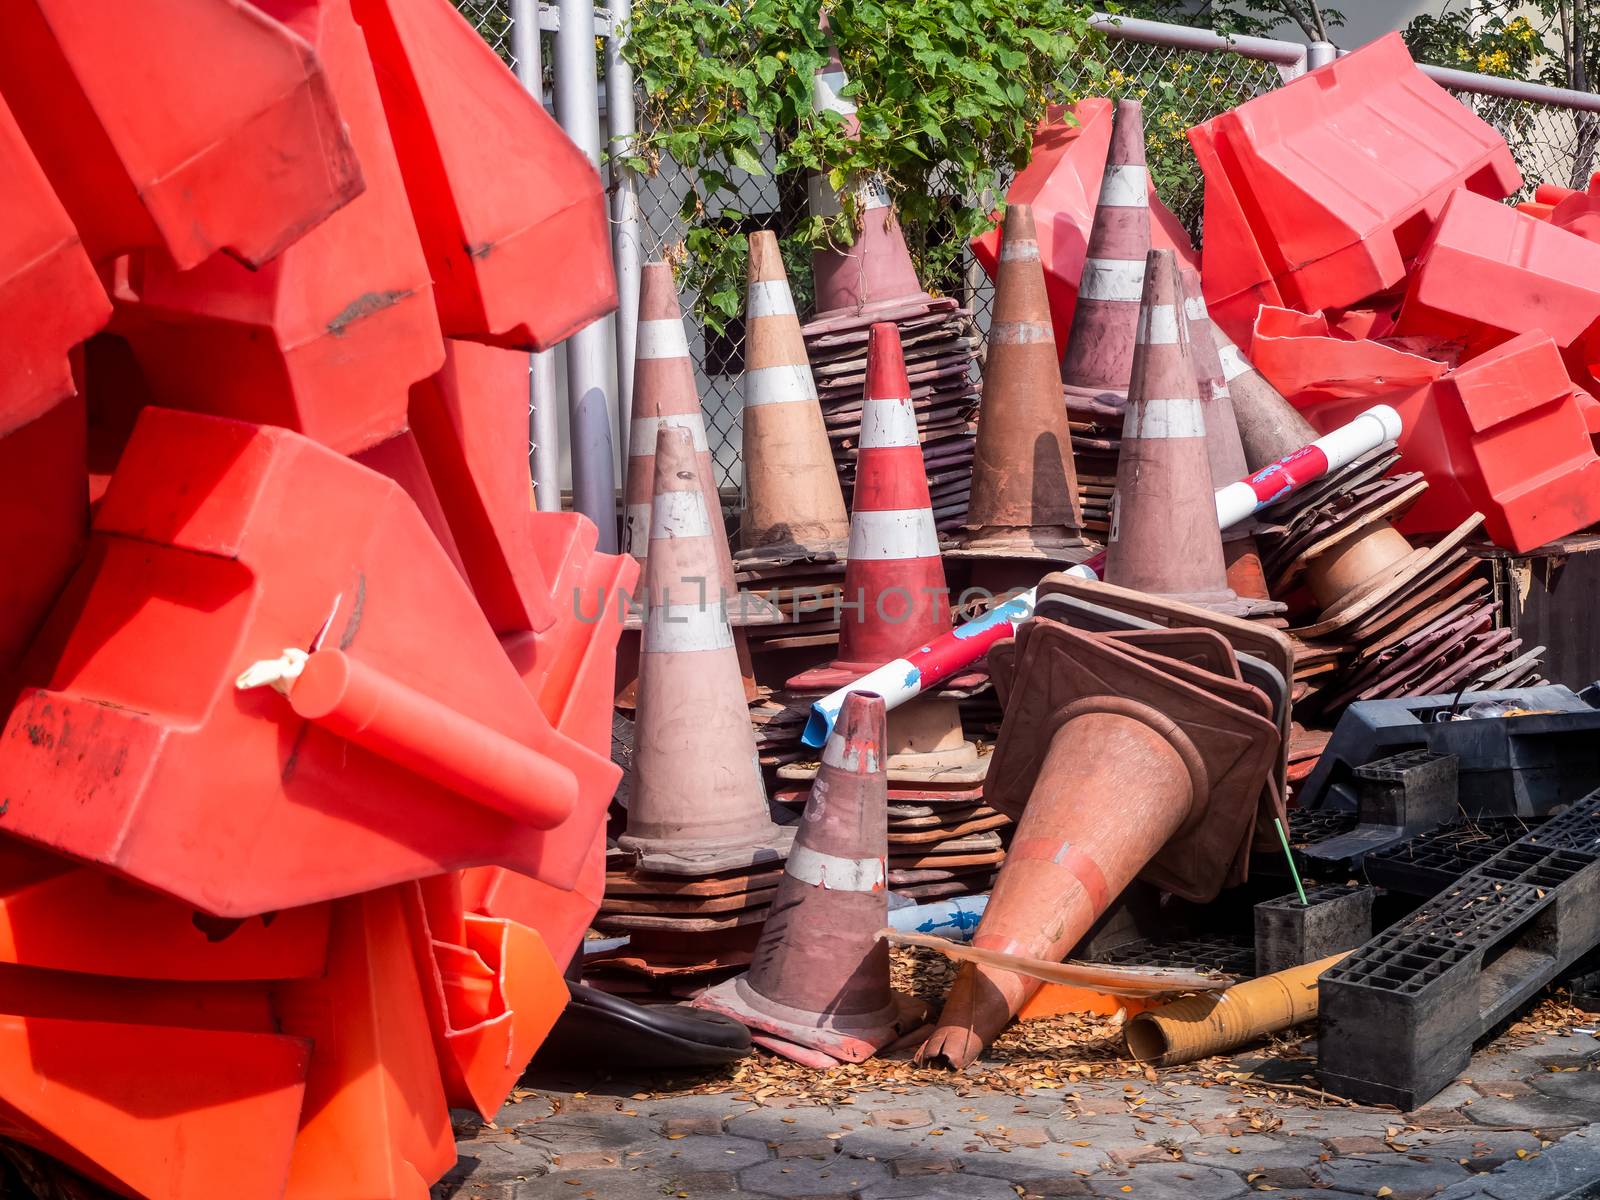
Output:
[[1178, 88]]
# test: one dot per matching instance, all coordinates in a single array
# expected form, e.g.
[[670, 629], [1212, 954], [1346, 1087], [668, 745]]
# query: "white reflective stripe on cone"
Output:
[[858, 760], [1233, 363], [684, 628], [1019, 333], [894, 534], [636, 530], [1020, 251], [824, 200], [835, 873], [886, 424], [644, 430], [1125, 185], [787, 383], [679, 515], [1112, 279], [1164, 419], [1194, 307], [662, 339], [1158, 326], [825, 89], [768, 298]]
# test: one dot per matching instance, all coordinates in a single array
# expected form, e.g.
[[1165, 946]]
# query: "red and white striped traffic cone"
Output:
[[820, 977], [895, 596], [875, 269], [1223, 446], [1099, 356], [793, 506], [1164, 536], [697, 802]]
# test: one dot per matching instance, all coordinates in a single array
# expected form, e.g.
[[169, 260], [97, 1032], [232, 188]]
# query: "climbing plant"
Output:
[[947, 94]]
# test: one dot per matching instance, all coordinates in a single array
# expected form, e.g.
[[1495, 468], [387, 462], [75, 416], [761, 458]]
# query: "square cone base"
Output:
[[853, 1038]]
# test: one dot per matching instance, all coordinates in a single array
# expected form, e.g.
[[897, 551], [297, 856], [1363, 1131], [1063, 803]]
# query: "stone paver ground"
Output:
[[1522, 1124]]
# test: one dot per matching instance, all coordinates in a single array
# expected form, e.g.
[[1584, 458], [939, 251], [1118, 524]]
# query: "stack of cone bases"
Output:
[[896, 599], [818, 988], [794, 531], [665, 396], [1372, 617], [872, 280], [1097, 363], [1023, 512], [700, 853], [1164, 537]]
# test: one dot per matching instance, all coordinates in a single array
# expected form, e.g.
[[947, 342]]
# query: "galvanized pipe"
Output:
[[589, 351], [544, 427], [1320, 54], [626, 226], [1182, 37]]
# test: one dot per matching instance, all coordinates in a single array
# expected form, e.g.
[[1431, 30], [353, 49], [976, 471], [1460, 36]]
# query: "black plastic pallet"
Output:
[[1307, 825], [1430, 862], [1400, 1015], [1230, 955]]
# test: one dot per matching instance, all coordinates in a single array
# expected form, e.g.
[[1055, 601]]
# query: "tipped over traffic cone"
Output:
[[1024, 501], [820, 977], [793, 507], [1164, 537], [895, 596], [697, 803], [1099, 355], [1269, 426]]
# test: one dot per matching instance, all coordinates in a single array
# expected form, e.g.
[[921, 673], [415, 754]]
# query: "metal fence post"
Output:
[[625, 230], [588, 351], [1319, 54], [544, 429]]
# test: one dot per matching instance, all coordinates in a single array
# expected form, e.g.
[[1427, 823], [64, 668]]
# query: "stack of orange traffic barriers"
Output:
[[305, 762]]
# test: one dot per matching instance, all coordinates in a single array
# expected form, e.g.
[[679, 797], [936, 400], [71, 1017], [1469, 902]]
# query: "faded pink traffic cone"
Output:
[[820, 976], [697, 803], [875, 269], [1164, 536], [1223, 448], [895, 596], [1099, 357], [1024, 501], [793, 506]]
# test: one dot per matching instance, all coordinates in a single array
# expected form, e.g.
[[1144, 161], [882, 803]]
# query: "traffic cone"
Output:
[[895, 597], [1099, 360], [1223, 447], [874, 270], [1269, 426], [1024, 501], [1164, 536], [697, 803], [793, 506], [820, 976]]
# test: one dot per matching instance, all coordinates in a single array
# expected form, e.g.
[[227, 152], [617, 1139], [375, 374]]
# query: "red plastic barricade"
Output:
[[234, 144], [1062, 183], [512, 215], [50, 299], [328, 337], [1488, 272], [407, 746], [1319, 192]]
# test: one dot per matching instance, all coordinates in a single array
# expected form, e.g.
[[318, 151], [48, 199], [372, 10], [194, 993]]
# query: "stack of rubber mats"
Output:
[[305, 738]]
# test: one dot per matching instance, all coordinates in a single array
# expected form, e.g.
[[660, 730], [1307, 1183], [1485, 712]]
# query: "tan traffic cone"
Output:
[[875, 269], [1223, 448], [1098, 365], [820, 976], [1164, 536], [697, 803], [1024, 501], [793, 506]]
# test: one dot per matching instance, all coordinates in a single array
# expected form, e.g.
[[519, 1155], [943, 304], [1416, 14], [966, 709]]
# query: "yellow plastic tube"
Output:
[[1199, 1026]]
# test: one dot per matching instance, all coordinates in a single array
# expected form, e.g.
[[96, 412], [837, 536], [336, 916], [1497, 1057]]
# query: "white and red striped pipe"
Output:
[[906, 678]]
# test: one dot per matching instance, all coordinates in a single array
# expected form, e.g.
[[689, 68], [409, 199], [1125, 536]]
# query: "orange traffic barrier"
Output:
[[329, 336], [512, 216], [190, 159]]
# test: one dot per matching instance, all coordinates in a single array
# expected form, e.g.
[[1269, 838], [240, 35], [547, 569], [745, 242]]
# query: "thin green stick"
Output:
[[1284, 838]]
